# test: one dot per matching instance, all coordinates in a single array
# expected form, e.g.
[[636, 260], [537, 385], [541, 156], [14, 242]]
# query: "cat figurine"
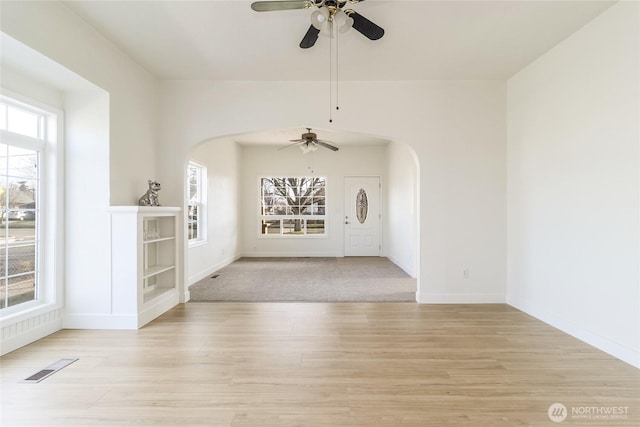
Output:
[[150, 198]]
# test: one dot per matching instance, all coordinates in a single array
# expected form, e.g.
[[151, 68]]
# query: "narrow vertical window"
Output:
[[23, 143], [196, 184]]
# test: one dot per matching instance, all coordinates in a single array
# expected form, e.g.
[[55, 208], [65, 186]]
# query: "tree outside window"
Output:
[[294, 206]]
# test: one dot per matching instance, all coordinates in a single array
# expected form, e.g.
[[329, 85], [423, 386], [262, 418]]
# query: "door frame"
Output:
[[344, 212]]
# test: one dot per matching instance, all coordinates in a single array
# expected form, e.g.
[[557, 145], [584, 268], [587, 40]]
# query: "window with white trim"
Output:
[[29, 135], [293, 206], [196, 193]]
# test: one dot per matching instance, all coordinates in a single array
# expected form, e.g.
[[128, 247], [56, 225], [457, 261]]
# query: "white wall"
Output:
[[87, 278], [573, 174], [222, 246], [401, 224], [53, 30], [268, 161], [456, 128], [17, 81]]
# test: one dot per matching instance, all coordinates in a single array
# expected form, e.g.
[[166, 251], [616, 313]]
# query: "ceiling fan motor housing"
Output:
[[309, 136], [333, 3]]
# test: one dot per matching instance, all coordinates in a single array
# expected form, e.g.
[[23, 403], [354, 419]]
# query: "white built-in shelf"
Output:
[[160, 239], [145, 272], [157, 269], [155, 293]]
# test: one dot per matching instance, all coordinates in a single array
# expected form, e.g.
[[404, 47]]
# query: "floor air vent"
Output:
[[49, 370]]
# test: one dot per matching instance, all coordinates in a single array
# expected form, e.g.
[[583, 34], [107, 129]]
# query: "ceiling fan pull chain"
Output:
[[337, 70], [330, 71]]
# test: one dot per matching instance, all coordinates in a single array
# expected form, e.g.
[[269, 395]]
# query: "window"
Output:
[[196, 191], [26, 133], [293, 206]]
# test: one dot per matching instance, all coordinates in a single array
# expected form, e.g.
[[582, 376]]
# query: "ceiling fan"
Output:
[[309, 142], [328, 13]]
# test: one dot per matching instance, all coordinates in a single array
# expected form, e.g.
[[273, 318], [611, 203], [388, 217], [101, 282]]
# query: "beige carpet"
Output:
[[349, 279]]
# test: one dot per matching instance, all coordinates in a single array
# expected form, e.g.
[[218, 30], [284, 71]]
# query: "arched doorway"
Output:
[[235, 165]]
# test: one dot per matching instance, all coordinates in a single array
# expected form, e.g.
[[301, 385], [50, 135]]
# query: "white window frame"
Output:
[[200, 203], [50, 226], [281, 218]]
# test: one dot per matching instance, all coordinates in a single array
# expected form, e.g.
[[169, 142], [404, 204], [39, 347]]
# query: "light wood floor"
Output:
[[306, 364]]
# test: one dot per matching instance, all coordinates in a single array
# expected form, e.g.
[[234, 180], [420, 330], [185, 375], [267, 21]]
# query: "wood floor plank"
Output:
[[308, 364]]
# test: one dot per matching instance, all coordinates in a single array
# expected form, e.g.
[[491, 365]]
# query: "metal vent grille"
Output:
[[49, 370], [39, 376]]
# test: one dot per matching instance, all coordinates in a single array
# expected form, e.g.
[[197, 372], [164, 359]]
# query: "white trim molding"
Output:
[[429, 298]]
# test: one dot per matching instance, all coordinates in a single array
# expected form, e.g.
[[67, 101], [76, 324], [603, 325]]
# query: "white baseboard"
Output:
[[271, 254], [100, 321], [217, 266], [149, 312], [617, 350], [186, 296], [427, 298], [157, 307], [30, 336], [405, 268]]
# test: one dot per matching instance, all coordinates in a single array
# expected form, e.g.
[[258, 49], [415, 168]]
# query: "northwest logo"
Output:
[[557, 412]]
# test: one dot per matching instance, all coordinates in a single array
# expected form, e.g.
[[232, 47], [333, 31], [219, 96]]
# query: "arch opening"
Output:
[[235, 163]]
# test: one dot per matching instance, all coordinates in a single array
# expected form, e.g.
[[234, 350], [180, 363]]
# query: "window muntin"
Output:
[[20, 247], [196, 176], [293, 206], [22, 120]]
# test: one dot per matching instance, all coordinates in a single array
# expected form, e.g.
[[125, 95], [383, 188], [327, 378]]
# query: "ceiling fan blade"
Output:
[[326, 145], [310, 37], [297, 140], [366, 27], [268, 6], [288, 145]]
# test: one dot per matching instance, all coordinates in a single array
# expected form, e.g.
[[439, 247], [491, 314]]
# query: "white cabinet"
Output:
[[144, 257]]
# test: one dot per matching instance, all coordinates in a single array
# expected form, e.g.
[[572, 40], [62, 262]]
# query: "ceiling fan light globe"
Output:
[[347, 25], [342, 21], [320, 18]]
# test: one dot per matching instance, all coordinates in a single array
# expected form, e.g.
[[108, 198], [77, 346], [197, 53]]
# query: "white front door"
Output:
[[362, 216]]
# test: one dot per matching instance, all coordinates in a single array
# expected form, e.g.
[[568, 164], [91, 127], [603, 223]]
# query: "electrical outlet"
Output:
[[465, 273]]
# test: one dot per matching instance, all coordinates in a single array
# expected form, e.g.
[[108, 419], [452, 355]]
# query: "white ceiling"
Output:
[[424, 40], [212, 39]]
